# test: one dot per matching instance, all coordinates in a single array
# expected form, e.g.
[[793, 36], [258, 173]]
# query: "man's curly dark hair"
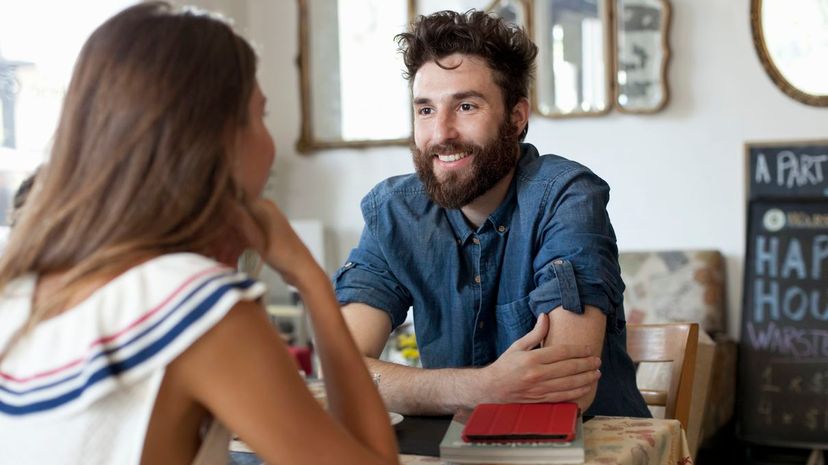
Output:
[[506, 48]]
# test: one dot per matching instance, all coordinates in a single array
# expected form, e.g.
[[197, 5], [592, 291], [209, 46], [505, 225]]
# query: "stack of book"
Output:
[[517, 435]]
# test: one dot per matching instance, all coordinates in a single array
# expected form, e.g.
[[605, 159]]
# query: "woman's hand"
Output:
[[263, 227]]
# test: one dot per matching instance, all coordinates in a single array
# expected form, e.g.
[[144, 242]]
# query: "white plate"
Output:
[[395, 417]]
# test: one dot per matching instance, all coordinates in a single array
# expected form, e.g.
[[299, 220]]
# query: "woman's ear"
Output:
[[520, 115]]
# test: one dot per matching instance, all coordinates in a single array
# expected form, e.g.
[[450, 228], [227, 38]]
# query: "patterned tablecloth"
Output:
[[620, 441]]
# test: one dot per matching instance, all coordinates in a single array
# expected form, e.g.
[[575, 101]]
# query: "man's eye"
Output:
[[425, 111], [466, 106]]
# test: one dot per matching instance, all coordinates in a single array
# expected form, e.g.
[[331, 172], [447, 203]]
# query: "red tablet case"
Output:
[[522, 422]]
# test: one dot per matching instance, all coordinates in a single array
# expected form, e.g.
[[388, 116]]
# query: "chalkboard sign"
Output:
[[783, 349], [787, 170]]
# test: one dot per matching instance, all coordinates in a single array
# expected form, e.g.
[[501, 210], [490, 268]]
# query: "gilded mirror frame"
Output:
[[608, 61], [526, 5], [308, 141], [774, 73], [664, 32]]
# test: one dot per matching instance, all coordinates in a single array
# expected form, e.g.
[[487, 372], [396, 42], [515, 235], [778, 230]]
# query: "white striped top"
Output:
[[80, 387]]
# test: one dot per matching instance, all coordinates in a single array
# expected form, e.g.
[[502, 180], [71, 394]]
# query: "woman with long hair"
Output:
[[125, 336]]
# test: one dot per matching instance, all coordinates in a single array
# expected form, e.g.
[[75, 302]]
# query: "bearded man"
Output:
[[497, 249]]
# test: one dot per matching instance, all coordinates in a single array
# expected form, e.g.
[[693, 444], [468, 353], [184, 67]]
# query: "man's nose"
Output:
[[445, 129]]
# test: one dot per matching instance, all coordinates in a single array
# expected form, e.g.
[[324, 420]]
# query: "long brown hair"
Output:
[[141, 162]]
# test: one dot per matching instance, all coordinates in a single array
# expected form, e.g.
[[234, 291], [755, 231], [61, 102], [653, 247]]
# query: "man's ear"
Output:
[[520, 115]]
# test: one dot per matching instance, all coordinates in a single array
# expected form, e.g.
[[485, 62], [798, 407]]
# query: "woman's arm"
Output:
[[242, 372], [352, 397]]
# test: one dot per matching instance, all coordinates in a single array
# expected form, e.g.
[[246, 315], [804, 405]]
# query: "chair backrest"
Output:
[[669, 342]]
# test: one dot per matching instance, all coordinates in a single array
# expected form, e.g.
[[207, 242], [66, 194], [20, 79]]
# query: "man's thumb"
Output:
[[534, 337]]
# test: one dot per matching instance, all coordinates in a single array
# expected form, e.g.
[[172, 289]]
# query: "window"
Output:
[[39, 42]]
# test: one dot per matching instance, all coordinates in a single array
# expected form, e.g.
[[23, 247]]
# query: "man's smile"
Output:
[[452, 156]]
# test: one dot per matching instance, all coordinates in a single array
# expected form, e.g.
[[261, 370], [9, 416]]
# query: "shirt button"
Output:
[[349, 264], [501, 228], [558, 262], [476, 240], [480, 325], [477, 279]]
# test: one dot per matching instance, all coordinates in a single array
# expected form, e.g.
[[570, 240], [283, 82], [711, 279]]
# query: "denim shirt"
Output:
[[475, 291]]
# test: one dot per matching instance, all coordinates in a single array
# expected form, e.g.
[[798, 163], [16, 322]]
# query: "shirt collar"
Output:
[[462, 230], [502, 216]]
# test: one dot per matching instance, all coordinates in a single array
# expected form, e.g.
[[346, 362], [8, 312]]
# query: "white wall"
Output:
[[676, 177]]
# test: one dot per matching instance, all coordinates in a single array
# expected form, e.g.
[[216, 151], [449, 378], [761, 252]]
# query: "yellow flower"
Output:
[[410, 353], [406, 341]]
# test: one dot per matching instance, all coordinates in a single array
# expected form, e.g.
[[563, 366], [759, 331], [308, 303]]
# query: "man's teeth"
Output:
[[453, 156]]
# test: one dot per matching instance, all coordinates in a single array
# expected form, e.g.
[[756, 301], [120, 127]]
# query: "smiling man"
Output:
[[508, 258]]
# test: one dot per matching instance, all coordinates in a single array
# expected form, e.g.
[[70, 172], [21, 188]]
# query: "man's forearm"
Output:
[[418, 391], [569, 328], [409, 390]]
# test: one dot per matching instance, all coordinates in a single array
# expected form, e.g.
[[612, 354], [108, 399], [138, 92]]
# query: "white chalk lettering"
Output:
[[765, 299], [820, 254], [819, 315], [786, 340], [811, 419], [795, 304], [767, 381], [785, 163], [794, 260], [767, 255], [795, 384], [795, 263], [798, 171], [762, 172]]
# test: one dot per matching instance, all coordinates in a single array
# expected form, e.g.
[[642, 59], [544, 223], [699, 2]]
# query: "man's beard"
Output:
[[490, 163]]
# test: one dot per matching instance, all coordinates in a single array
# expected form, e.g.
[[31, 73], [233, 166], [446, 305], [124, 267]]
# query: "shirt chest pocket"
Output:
[[514, 320]]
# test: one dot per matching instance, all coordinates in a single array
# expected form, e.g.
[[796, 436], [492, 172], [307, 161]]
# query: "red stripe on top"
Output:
[[114, 336]]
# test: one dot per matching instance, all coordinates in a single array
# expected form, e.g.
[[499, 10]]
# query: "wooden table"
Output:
[[608, 441]]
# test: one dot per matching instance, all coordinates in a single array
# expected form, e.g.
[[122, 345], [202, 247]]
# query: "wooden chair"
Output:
[[671, 342]]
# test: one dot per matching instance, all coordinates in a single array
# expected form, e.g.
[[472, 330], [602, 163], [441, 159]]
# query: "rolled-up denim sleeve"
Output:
[[366, 276], [577, 262]]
